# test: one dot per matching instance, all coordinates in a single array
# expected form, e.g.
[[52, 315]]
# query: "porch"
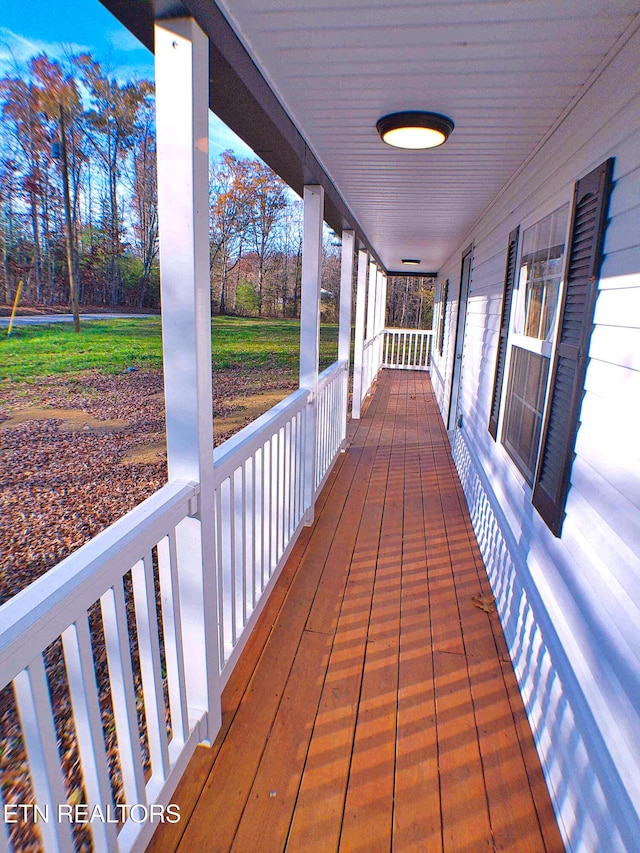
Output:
[[374, 706]]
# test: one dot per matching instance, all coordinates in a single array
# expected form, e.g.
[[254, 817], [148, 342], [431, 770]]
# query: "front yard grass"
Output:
[[112, 346]]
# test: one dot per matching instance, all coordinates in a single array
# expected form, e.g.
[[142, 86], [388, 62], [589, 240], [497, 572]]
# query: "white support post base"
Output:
[[182, 104], [310, 330]]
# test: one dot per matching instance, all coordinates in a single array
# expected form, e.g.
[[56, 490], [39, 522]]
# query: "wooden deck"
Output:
[[375, 708]]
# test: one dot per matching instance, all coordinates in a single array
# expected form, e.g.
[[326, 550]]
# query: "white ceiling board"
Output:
[[505, 72]]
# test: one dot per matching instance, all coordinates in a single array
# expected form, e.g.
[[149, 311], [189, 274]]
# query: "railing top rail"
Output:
[[36, 616], [250, 438], [412, 331], [327, 374]]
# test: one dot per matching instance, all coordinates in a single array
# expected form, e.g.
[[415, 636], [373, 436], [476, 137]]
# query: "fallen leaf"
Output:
[[484, 602]]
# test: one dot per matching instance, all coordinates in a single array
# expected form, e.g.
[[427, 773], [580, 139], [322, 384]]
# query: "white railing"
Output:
[[102, 634], [260, 487], [370, 362], [407, 349], [331, 418], [259, 509]]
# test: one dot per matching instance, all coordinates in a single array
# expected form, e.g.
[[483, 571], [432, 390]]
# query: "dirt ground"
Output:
[[78, 452]]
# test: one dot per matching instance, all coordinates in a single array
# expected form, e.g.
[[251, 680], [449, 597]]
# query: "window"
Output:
[[545, 329], [535, 305]]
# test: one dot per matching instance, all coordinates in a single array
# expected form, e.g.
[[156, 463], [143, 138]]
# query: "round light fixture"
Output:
[[412, 261], [414, 129]]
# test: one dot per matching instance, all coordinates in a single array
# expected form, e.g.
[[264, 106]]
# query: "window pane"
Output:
[[540, 273], [525, 401]]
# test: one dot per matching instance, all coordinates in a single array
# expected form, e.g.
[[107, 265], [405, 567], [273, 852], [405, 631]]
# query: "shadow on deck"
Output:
[[375, 707]]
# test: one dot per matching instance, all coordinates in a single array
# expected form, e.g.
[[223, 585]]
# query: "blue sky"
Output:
[[60, 27]]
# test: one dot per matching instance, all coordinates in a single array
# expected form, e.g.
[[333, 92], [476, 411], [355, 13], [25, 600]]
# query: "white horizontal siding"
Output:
[[570, 606]]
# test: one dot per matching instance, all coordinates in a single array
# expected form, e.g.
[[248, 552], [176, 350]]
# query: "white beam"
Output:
[[358, 348], [182, 101], [310, 327]]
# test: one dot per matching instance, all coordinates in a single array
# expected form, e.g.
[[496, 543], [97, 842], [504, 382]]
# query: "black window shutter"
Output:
[[582, 271], [443, 312], [507, 294]]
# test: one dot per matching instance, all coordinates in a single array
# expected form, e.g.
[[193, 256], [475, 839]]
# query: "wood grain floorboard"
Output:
[[374, 708]]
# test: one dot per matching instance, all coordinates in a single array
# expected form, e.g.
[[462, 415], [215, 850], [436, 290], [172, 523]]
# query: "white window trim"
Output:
[[535, 345]]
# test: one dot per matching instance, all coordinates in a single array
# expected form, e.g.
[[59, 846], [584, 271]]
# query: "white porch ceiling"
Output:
[[505, 71]]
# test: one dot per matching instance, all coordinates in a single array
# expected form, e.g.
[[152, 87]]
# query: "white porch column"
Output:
[[310, 328], [382, 304], [344, 333], [182, 101], [358, 349], [372, 300]]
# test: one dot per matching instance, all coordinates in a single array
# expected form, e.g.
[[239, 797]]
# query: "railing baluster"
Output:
[[222, 577], [260, 522], [172, 630], [267, 519], [241, 531], [294, 475], [83, 689], [280, 499], [40, 739], [232, 556], [150, 669], [299, 466], [123, 697], [251, 539], [287, 481]]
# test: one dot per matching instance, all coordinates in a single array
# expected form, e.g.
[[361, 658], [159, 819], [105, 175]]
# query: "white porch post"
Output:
[[344, 332], [382, 304], [310, 329], [182, 101], [358, 348], [372, 300]]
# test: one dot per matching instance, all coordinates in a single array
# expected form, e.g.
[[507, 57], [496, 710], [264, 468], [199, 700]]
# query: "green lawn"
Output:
[[113, 345]]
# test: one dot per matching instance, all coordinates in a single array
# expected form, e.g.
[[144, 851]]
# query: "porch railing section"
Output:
[[259, 508], [331, 417], [407, 349], [67, 644], [370, 362]]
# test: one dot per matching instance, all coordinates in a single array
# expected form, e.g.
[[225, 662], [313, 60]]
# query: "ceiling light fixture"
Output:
[[412, 261], [414, 129]]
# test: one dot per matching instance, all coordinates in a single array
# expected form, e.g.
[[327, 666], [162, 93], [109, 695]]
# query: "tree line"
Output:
[[73, 132]]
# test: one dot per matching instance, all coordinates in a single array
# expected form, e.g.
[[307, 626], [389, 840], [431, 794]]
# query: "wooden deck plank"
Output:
[[465, 819], [368, 813], [374, 708], [265, 822], [319, 810], [417, 815]]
